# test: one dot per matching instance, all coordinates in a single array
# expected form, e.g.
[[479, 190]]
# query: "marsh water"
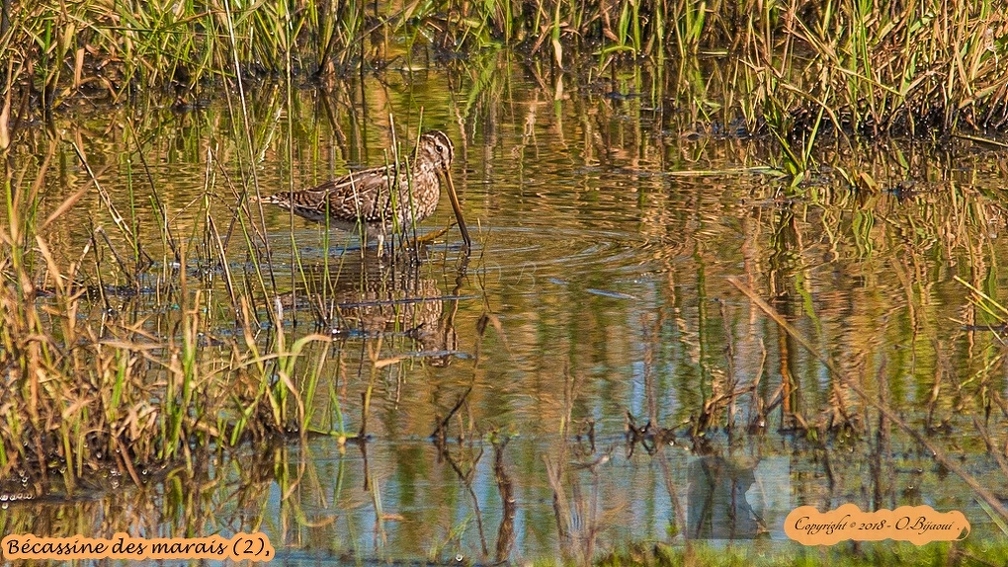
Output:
[[592, 375]]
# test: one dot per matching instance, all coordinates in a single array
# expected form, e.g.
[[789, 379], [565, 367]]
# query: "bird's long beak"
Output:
[[458, 210]]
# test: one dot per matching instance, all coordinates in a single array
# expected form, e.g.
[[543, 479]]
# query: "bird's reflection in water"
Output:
[[354, 297]]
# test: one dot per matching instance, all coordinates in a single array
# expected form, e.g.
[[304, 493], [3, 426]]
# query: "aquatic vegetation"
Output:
[[920, 69], [113, 356], [91, 385]]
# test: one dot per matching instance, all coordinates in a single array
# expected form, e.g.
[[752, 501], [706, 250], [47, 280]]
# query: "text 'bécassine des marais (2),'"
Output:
[[241, 546]]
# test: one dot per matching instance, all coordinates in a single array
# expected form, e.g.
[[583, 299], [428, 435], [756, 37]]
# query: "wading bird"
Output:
[[386, 199]]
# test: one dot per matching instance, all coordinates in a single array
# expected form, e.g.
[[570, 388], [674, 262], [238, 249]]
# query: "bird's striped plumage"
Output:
[[386, 199]]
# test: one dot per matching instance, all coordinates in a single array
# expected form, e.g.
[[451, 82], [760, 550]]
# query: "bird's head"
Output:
[[436, 148]]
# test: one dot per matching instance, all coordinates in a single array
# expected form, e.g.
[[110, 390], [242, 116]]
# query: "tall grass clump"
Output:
[[918, 69], [89, 385], [796, 70], [113, 50]]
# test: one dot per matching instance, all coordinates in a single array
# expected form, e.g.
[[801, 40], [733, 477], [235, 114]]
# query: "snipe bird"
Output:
[[384, 199]]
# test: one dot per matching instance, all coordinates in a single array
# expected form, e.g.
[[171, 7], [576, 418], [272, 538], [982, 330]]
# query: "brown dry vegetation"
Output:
[[789, 69]]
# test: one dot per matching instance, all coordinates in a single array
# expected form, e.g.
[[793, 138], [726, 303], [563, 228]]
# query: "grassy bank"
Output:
[[790, 70]]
